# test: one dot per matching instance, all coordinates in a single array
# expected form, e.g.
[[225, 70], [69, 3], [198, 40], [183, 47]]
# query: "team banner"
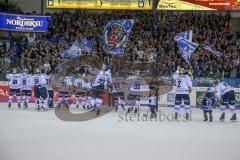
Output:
[[115, 36], [87, 45], [199, 5], [209, 49], [101, 4], [25, 23], [75, 50], [186, 35], [185, 45]]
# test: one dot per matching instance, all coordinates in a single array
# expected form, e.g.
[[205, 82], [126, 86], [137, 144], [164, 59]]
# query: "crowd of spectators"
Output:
[[151, 45]]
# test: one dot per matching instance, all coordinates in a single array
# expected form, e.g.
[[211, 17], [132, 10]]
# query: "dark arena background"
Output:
[[119, 79]]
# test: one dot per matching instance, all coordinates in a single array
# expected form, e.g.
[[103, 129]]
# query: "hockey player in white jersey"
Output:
[[101, 83], [226, 94], [80, 86], [183, 85], [43, 90], [26, 87], [36, 78], [50, 91], [15, 84]]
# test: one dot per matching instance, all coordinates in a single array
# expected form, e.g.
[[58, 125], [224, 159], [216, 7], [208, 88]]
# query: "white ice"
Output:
[[32, 135]]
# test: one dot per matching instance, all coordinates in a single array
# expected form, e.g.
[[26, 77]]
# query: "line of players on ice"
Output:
[[21, 85]]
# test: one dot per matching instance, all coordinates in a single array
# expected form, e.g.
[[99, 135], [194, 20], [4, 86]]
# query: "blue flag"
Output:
[[184, 35], [186, 48], [87, 45], [74, 51], [209, 49], [115, 36]]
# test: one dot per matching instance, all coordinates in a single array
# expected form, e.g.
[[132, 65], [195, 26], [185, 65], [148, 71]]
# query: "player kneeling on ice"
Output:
[[100, 84], [183, 84], [227, 95], [15, 84], [207, 105]]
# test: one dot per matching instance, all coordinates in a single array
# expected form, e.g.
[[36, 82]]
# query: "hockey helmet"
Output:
[[14, 71], [181, 71]]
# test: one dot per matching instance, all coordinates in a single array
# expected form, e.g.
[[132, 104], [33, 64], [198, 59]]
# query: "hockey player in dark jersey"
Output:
[[207, 105]]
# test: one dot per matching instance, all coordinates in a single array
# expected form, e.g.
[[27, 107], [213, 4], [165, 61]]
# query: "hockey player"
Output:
[[43, 91], [26, 87], [100, 84], [226, 93], [15, 84], [207, 105], [36, 83], [50, 91], [152, 104], [183, 88], [64, 92], [80, 91], [117, 93]]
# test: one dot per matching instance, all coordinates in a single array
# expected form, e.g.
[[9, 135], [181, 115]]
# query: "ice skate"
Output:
[[234, 117], [9, 105], [222, 118], [19, 105], [25, 105], [205, 116], [210, 117], [187, 116], [176, 116], [98, 112]]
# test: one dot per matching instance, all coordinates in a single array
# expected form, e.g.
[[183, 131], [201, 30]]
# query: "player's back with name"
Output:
[[183, 83], [14, 81], [26, 82]]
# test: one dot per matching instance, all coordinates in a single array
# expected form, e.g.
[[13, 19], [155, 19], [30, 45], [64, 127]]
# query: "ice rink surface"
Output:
[[32, 135]]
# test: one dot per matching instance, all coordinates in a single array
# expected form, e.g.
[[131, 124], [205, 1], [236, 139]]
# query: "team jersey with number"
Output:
[[183, 83], [117, 84], [49, 84], [79, 85], [26, 82], [152, 100], [65, 85], [15, 81], [222, 88], [103, 78], [36, 79], [43, 80]]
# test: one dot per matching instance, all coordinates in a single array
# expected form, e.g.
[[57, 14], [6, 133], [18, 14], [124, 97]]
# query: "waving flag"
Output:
[[74, 51], [186, 48], [184, 35], [209, 49], [115, 36], [87, 45]]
